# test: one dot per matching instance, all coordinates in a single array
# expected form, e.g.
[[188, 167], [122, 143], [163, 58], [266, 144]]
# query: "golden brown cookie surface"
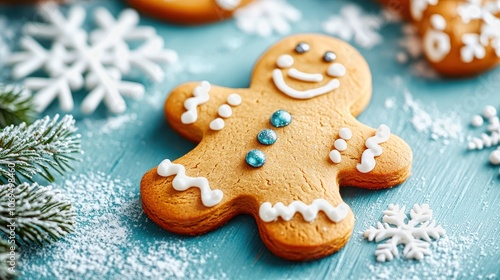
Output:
[[188, 11], [294, 196]]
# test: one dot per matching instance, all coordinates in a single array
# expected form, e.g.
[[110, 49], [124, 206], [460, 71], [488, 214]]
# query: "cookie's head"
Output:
[[309, 66]]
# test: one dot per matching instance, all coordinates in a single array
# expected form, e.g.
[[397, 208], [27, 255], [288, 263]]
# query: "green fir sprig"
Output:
[[15, 106], [5, 269], [46, 145], [41, 214]]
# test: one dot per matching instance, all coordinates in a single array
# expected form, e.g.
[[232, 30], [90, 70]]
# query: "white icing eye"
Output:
[[285, 61], [336, 70]]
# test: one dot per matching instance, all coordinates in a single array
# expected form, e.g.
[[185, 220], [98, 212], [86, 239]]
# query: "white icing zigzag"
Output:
[[228, 5], [374, 150], [182, 182], [268, 213], [191, 104]]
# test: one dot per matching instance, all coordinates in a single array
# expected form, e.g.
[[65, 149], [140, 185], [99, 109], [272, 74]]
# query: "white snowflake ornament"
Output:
[[415, 234], [95, 60], [265, 17], [352, 23], [475, 44]]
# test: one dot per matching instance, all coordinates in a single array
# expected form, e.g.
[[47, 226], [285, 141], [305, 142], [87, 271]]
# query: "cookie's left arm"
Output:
[[192, 107]]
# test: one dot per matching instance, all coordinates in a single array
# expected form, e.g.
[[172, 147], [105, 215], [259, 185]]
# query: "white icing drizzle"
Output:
[[475, 44], [437, 43], [191, 104], [438, 22], [336, 70], [217, 124], [335, 156], [306, 77], [469, 11], [285, 61], [269, 213], [234, 99], [225, 111], [472, 48], [182, 182], [306, 94], [373, 149], [345, 133], [417, 7], [340, 144], [228, 5]]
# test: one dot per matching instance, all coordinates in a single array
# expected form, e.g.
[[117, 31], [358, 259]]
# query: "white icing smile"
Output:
[[306, 77], [287, 61]]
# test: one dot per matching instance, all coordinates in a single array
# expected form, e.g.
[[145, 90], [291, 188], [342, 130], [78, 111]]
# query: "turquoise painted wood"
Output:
[[460, 186]]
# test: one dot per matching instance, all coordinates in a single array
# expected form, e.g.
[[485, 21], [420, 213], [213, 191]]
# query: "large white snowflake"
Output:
[[265, 17], [95, 61], [414, 235], [353, 23]]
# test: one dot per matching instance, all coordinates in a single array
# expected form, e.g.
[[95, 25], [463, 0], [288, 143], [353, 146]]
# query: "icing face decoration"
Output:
[[286, 62]]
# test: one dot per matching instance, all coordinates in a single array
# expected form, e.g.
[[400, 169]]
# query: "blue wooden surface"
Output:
[[460, 186]]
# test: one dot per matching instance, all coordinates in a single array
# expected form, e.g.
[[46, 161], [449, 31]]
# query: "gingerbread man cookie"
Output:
[[278, 150], [188, 11], [460, 37]]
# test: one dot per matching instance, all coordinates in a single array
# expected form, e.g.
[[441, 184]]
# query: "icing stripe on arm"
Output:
[[373, 149], [191, 104], [182, 182], [269, 213]]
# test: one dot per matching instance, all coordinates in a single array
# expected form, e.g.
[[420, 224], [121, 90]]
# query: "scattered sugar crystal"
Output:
[[390, 102], [105, 244], [477, 121], [489, 112], [437, 125]]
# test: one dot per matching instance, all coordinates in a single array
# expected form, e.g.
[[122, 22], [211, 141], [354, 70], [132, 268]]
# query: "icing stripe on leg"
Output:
[[182, 182], [269, 213]]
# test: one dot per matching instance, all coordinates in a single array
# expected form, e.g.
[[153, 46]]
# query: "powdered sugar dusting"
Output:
[[450, 260], [109, 211], [439, 126], [110, 124]]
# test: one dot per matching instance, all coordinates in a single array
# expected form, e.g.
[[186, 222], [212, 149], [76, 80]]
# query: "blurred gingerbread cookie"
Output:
[[461, 37], [188, 11]]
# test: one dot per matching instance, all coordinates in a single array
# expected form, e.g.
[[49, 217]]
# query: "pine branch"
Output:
[[15, 106], [46, 145], [41, 214], [5, 272]]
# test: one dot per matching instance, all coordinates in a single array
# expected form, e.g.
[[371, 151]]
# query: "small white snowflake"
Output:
[[415, 234], [352, 23], [265, 17], [96, 60], [472, 48], [475, 44]]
